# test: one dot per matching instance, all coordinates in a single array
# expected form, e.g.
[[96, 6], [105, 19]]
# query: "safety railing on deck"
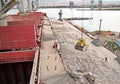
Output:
[[33, 78]]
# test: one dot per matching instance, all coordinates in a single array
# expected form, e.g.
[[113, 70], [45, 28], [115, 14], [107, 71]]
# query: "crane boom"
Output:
[[8, 6]]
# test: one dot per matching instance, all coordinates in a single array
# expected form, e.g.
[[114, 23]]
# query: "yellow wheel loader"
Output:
[[81, 43]]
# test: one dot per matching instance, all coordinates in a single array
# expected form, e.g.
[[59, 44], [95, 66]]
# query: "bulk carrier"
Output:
[[20, 39], [21, 47], [37, 50]]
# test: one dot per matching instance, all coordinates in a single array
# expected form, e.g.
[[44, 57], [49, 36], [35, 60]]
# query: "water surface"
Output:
[[110, 18]]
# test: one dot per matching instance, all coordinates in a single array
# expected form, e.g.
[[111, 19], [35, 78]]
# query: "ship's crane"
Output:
[[5, 6]]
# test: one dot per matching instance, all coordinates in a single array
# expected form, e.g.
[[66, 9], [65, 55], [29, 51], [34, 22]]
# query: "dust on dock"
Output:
[[92, 60]]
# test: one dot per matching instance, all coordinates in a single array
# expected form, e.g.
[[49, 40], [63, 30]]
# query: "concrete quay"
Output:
[[90, 61], [72, 65]]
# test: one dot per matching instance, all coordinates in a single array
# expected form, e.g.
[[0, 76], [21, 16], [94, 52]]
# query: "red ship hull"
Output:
[[18, 42]]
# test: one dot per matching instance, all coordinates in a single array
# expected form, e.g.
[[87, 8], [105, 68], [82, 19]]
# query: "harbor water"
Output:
[[110, 18]]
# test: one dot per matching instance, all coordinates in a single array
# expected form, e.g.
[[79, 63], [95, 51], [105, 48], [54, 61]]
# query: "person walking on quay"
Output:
[[60, 15]]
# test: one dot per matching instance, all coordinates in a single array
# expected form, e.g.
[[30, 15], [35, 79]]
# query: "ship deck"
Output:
[[52, 70]]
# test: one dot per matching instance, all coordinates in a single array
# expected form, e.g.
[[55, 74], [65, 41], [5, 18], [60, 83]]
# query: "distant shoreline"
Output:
[[80, 8]]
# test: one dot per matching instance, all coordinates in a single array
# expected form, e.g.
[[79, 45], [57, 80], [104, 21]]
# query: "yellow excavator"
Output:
[[81, 43]]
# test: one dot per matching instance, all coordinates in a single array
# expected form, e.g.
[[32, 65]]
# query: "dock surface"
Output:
[[72, 66], [92, 60]]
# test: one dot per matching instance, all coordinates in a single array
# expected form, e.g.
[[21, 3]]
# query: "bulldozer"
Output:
[[81, 43]]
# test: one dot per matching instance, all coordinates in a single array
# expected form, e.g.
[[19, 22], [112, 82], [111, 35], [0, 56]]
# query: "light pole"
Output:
[[99, 32]]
